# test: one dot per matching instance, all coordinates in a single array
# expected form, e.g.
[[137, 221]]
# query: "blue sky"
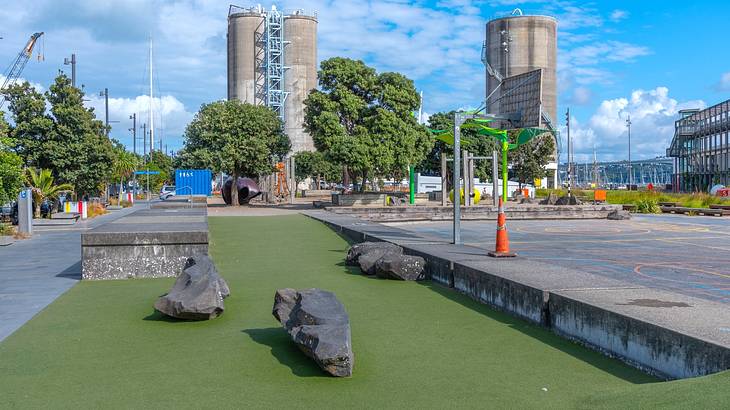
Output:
[[647, 59]]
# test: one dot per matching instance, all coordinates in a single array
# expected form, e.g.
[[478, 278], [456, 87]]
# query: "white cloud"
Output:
[[652, 113], [724, 83], [171, 118], [618, 15], [582, 96]]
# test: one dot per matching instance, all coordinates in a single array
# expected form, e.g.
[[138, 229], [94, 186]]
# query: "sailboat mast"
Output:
[[152, 115]]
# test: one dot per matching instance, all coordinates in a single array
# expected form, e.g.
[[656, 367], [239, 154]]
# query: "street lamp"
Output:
[[628, 126], [71, 61]]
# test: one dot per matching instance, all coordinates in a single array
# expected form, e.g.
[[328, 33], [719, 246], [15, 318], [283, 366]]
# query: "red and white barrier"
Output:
[[130, 197], [80, 207]]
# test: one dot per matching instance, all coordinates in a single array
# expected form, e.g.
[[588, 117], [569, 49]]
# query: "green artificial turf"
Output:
[[101, 345]]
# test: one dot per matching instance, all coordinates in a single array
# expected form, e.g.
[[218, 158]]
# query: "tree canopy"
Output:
[[68, 140], [236, 138], [315, 165], [362, 119], [11, 166]]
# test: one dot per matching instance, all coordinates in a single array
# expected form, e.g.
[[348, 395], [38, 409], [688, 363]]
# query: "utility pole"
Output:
[[570, 168], [144, 138], [71, 61], [628, 125], [133, 117], [105, 94]]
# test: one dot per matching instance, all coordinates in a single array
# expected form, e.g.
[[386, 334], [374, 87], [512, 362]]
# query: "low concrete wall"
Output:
[[309, 193], [149, 243], [666, 334], [474, 213], [366, 199]]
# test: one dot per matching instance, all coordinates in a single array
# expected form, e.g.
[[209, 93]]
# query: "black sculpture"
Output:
[[247, 190]]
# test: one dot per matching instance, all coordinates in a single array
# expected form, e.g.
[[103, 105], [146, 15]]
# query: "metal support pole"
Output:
[[133, 117], [444, 187], [495, 178], [458, 120], [105, 94], [505, 148], [72, 62], [144, 138], [570, 167], [411, 185], [465, 170], [628, 125], [471, 178], [293, 179]]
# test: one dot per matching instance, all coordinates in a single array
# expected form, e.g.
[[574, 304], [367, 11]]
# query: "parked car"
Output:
[[167, 192]]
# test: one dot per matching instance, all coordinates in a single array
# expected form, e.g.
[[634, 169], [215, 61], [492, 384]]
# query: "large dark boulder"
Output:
[[368, 260], [400, 267], [318, 323], [198, 292], [247, 190], [568, 200], [357, 250], [552, 199], [619, 215]]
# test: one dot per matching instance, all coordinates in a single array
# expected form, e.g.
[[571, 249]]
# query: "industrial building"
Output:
[[272, 61], [700, 148], [520, 55]]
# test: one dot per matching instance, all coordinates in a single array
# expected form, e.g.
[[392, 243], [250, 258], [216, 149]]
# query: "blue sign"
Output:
[[146, 172], [23, 194]]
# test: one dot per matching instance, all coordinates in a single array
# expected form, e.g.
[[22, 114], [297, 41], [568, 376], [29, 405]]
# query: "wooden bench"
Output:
[[668, 204]]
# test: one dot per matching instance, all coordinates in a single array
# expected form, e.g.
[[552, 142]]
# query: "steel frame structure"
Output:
[[274, 62], [701, 148]]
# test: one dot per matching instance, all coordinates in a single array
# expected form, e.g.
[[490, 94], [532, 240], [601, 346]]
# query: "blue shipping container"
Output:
[[196, 180]]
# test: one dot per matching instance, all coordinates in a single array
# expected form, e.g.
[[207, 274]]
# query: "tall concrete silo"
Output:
[[300, 58], [516, 45], [246, 75]]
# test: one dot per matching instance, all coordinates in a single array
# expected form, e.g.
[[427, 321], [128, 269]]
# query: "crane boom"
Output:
[[13, 73]]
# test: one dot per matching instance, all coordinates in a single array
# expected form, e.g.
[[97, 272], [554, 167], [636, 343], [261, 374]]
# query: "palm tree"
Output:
[[43, 187], [124, 164]]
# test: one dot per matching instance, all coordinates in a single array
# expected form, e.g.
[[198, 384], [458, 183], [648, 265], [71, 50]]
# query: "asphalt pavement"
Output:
[[685, 254]]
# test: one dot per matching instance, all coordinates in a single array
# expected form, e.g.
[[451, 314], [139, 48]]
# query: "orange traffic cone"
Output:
[[502, 247]]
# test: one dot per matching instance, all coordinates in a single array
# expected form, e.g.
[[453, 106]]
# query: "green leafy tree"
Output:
[[43, 186], [125, 163], [529, 160], [11, 165], [362, 120], [315, 165], [162, 163], [236, 138], [69, 140], [477, 145], [33, 126]]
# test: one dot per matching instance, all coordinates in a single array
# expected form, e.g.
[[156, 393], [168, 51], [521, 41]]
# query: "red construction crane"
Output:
[[15, 69]]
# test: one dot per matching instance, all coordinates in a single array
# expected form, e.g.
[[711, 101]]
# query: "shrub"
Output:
[[647, 205], [6, 230], [95, 209]]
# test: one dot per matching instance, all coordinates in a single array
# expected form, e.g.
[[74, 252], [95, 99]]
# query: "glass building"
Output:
[[700, 148]]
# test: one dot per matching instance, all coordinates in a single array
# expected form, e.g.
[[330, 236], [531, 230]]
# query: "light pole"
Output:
[[105, 94], [569, 170], [133, 117], [628, 125], [71, 61]]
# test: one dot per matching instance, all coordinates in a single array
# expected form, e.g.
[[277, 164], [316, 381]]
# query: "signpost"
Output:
[[25, 212]]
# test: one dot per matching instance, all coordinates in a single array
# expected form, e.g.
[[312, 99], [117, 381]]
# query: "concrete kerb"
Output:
[[669, 335]]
